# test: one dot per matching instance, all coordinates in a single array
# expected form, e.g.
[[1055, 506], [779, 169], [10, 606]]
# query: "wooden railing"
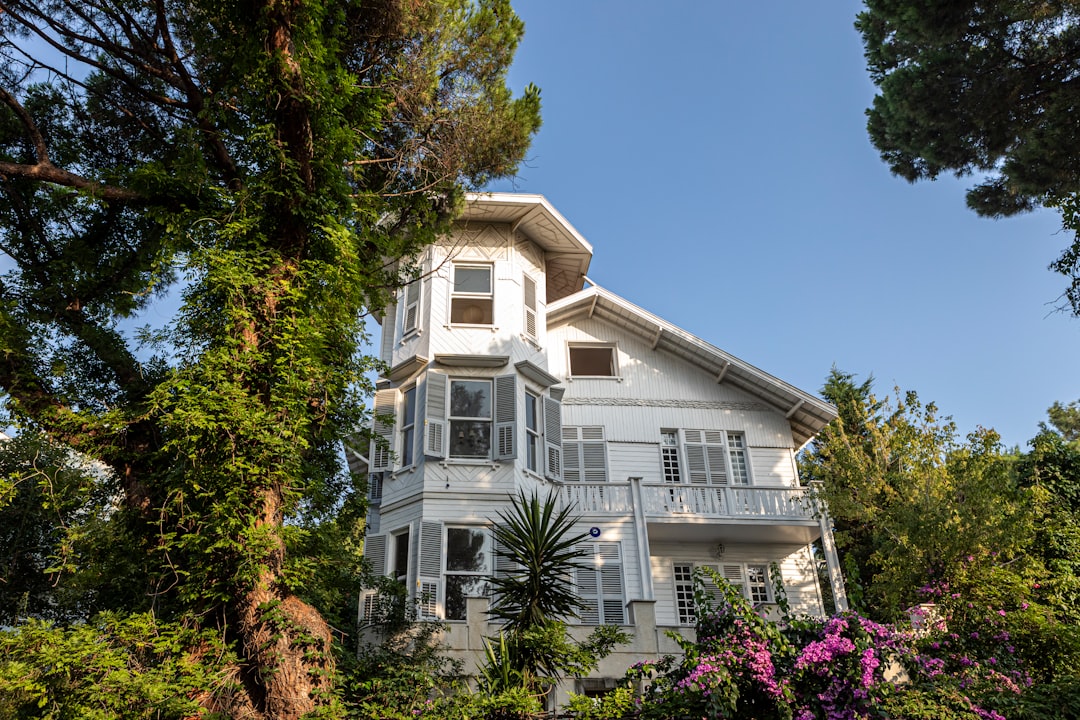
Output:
[[705, 501]]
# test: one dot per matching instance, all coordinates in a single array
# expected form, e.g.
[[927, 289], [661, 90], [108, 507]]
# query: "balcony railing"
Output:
[[703, 501]]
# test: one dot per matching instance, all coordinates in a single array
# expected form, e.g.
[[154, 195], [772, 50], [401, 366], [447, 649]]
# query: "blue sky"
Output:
[[715, 155]]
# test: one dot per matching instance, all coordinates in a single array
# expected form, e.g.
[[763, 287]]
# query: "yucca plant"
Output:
[[537, 538]]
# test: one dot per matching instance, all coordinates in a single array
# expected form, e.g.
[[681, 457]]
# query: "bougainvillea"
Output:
[[845, 668]]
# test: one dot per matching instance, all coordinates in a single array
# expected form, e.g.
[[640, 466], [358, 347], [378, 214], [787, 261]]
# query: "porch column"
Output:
[[641, 533], [832, 560]]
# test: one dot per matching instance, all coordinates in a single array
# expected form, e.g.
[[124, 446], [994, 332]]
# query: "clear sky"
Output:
[[715, 155]]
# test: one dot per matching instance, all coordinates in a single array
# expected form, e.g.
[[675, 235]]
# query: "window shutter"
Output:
[[588, 590], [600, 585], [411, 321], [530, 306], [716, 454], [419, 425], [706, 457], [375, 552], [382, 445], [429, 570], [734, 575], [593, 454], [435, 415], [611, 584], [553, 459], [368, 604], [375, 488], [505, 417]]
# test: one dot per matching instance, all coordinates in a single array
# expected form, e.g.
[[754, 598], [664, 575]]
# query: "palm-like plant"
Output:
[[537, 539]]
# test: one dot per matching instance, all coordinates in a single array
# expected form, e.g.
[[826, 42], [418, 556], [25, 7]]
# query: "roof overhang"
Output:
[[806, 413], [567, 253]]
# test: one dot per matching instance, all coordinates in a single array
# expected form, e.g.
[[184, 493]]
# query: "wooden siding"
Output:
[[800, 581], [656, 390], [627, 460], [773, 466]]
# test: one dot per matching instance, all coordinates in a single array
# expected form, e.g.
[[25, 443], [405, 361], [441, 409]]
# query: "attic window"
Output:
[[593, 361]]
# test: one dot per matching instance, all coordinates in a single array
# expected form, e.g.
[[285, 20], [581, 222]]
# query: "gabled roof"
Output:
[[806, 413], [568, 254]]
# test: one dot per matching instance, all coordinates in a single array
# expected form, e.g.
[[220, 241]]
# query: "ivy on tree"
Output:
[[265, 164]]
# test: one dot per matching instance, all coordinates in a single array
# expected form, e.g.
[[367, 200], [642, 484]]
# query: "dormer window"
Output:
[[471, 302]]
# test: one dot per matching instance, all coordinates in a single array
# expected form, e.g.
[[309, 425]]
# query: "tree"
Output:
[[911, 502], [984, 88], [1064, 420], [266, 164]]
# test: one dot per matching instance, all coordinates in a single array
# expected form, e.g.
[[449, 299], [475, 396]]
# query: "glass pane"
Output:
[[472, 279], [410, 407], [471, 311], [470, 439], [401, 555], [467, 549], [470, 398], [460, 587], [530, 411]]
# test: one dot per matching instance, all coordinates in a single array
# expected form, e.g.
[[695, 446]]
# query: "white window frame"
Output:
[[483, 574], [534, 447], [751, 578], [407, 433], [611, 348], [670, 463], [489, 420], [487, 297]]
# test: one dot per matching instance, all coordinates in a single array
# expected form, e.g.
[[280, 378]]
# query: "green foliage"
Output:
[[271, 168], [535, 537], [984, 89], [910, 500], [114, 667]]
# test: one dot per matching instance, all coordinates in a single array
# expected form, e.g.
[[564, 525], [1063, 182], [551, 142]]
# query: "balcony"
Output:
[[701, 512]]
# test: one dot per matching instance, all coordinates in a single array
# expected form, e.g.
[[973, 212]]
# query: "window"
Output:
[[593, 361], [740, 472], [669, 456], [468, 565], [400, 570], [532, 432], [471, 302], [750, 580], [375, 483], [707, 457], [470, 418], [410, 319], [584, 454], [408, 427], [529, 288], [600, 585]]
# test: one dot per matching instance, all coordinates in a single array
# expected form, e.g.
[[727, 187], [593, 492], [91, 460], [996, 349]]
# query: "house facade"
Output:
[[509, 371]]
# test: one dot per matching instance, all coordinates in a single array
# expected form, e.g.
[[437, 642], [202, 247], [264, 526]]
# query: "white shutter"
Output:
[[411, 320], [435, 415], [429, 569], [375, 552], [734, 575], [382, 445], [600, 585], [588, 590], [706, 457], [368, 604], [529, 286], [375, 488], [584, 454], [553, 459], [505, 417], [612, 593]]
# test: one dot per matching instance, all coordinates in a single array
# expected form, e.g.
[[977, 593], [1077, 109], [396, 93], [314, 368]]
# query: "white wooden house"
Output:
[[510, 370]]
